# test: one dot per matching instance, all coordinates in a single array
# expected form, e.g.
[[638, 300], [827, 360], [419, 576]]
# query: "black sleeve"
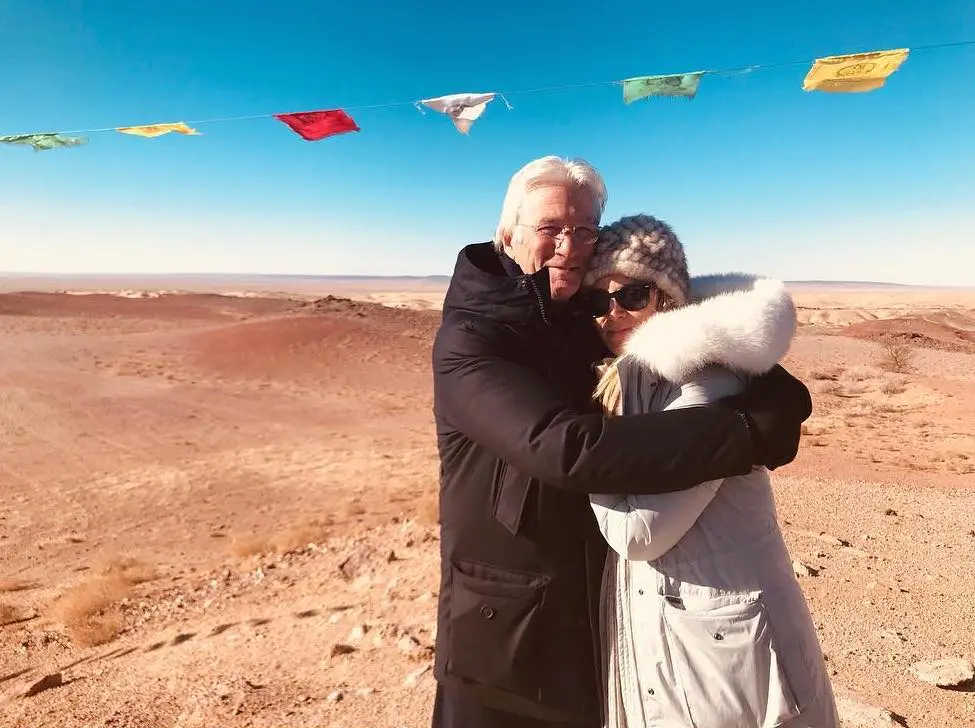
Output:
[[515, 414]]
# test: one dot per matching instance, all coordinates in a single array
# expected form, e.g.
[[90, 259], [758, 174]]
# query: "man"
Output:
[[521, 447]]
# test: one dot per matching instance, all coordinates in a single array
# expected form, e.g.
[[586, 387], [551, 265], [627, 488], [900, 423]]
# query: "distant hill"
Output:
[[313, 283], [849, 284]]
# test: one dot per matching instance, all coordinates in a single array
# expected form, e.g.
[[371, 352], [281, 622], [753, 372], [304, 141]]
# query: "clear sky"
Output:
[[754, 174]]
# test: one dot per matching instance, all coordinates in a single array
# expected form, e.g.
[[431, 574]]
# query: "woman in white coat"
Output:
[[704, 623]]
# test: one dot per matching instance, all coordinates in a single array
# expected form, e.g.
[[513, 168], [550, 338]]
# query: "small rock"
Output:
[[948, 673], [890, 512], [414, 677], [302, 699], [54, 680], [411, 646], [254, 684], [340, 648], [365, 692], [334, 697], [855, 714], [391, 557], [891, 635], [802, 569], [358, 632]]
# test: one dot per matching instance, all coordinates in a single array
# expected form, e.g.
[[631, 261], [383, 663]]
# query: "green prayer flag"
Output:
[[682, 85], [41, 142]]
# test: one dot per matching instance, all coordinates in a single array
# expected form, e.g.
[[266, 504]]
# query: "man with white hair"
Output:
[[521, 448]]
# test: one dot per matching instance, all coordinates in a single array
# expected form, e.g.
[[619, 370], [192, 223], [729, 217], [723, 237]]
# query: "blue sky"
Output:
[[754, 174]]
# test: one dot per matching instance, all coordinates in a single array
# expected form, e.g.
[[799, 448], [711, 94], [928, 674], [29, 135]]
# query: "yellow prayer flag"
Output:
[[154, 130], [855, 72]]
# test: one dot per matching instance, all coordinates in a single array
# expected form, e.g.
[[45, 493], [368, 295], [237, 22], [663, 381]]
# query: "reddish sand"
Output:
[[201, 496]]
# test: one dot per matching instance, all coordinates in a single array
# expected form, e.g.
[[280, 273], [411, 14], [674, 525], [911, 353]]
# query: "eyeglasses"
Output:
[[632, 297], [581, 234]]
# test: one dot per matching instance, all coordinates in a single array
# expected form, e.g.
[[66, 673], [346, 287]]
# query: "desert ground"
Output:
[[220, 509]]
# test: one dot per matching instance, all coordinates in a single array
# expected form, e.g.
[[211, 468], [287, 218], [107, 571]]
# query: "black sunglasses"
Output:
[[633, 297]]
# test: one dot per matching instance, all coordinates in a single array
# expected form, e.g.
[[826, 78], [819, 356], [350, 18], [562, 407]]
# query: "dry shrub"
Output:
[[97, 629], [814, 427], [355, 508], [855, 389], [892, 384], [827, 386], [886, 408], [896, 356], [88, 609], [861, 409], [428, 509], [295, 537], [860, 374], [128, 570], [244, 546], [300, 534], [824, 374]]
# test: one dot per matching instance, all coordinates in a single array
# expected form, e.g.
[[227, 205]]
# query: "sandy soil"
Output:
[[220, 510]]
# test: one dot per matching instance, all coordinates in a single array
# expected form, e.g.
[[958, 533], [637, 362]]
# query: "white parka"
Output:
[[704, 623]]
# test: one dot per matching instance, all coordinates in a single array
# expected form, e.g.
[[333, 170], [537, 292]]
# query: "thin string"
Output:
[[543, 89]]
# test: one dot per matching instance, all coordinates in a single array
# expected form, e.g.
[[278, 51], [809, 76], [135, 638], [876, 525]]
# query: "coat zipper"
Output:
[[541, 301]]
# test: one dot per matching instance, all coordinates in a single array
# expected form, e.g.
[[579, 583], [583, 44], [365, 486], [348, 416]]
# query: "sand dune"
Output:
[[220, 510]]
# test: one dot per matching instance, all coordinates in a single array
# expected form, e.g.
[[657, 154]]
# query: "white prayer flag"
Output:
[[463, 109]]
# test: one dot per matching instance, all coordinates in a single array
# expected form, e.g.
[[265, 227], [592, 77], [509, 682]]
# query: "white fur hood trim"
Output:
[[743, 322]]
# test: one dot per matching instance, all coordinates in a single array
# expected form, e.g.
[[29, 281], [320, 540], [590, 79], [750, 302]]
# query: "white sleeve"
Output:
[[645, 527]]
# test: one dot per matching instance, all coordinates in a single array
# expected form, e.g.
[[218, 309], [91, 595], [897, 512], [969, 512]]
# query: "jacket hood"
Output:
[[743, 322]]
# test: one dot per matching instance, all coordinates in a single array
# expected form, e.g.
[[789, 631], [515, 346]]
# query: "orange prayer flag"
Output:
[[855, 73], [155, 130]]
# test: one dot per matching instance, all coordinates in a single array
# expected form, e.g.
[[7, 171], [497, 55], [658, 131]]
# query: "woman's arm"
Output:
[[645, 527]]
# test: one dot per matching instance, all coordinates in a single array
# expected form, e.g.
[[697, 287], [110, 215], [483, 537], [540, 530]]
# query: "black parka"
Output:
[[521, 447]]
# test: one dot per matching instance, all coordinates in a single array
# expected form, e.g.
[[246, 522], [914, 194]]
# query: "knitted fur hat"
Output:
[[644, 248]]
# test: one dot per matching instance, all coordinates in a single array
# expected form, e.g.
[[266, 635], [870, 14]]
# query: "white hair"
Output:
[[547, 172]]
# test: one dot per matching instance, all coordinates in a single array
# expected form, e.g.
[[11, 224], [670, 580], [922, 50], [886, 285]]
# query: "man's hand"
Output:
[[774, 405]]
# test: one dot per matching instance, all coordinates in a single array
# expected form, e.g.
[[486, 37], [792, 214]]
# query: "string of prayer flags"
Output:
[[463, 109], [315, 125], [676, 85], [858, 72], [851, 73], [40, 142], [155, 130]]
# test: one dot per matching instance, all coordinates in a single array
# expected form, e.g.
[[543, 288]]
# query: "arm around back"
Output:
[[515, 413]]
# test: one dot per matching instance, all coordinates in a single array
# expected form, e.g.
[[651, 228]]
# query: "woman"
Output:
[[704, 623]]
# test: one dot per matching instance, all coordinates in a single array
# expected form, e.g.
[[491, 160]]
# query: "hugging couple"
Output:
[[610, 552]]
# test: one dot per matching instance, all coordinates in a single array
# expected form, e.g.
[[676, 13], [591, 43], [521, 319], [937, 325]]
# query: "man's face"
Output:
[[549, 210]]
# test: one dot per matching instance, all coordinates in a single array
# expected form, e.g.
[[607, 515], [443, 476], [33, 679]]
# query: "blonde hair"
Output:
[[609, 390], [547, 172]]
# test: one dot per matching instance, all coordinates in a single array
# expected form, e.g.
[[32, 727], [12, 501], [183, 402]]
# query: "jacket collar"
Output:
[[490, 284], [485, 284]]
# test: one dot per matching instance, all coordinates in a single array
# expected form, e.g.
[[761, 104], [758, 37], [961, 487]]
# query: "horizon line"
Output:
[[427, 277]]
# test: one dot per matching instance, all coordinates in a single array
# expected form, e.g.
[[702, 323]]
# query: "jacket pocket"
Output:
[[513, 489], [727, 665], [494, 624]]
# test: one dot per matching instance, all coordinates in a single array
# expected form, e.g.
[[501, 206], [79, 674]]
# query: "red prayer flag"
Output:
[[315, 125]]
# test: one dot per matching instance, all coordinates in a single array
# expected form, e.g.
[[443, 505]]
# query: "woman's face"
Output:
[[618, 323]]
